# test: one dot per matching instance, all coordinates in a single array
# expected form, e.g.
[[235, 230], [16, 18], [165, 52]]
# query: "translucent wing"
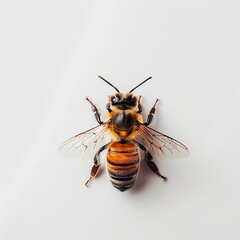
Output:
[[156, 141], [87, 140]]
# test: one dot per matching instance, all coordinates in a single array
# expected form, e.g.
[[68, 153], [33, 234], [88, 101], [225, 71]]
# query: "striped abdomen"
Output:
[[123, 164]]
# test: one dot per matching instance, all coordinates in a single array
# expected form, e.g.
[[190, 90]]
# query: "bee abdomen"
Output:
[[123, 164]]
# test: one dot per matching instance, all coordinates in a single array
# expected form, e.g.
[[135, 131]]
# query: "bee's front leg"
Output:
[[151, 113], [95, 112], [108, 106], [139, 105]]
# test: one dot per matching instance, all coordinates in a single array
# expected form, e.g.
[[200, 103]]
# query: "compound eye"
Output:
[[134, 99], [129, 99], [115, 99]]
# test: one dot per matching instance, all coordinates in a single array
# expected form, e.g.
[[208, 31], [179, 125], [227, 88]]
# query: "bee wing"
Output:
[[156, 141], [86, 140]]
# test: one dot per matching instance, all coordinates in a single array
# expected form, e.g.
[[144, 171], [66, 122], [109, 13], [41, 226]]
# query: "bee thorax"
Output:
[[124, 123]]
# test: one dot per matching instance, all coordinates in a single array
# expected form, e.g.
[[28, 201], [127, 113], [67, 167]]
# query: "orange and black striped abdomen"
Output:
[[123, 164]]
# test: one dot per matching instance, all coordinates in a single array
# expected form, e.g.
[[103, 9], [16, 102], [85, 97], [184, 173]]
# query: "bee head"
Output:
[[126, 99]]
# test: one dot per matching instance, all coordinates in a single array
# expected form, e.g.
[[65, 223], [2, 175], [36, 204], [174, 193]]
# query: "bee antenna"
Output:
[[109, 83], [140, 84]]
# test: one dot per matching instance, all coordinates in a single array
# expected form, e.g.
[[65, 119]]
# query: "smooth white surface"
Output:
[[51, 53]]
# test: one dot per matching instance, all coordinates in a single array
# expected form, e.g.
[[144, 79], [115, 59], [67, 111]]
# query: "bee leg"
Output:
[[108, 107], [139, 105], [94, 172], [155, 169], [151, 113], [95, 112], [148, 158], [96, 165]]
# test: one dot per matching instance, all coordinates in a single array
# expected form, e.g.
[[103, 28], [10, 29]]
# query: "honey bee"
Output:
[[124, 123]]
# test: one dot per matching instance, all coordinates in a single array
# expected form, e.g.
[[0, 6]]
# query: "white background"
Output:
[[51, 54]]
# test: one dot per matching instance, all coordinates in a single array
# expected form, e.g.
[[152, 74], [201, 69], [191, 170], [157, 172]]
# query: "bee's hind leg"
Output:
[[94, 172], [148, 158], [96, 165], [154, 168]]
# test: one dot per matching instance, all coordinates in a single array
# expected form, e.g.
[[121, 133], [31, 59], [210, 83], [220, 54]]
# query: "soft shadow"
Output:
[[144, 178], [146, 175]]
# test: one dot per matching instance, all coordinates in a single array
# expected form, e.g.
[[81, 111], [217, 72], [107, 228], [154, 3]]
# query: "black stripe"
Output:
[[122, 178], [122, 188], [122, 184], [122, 172]]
